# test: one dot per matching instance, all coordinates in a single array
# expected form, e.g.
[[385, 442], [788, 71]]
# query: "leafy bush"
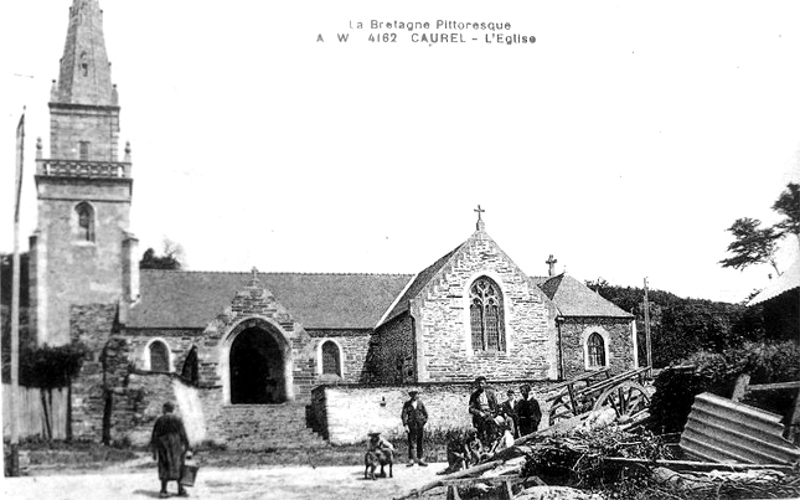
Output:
[[717, 373]]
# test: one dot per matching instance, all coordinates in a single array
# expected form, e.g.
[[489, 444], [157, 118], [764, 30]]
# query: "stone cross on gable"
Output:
[[551, 262], [480, 226], [254, 279]]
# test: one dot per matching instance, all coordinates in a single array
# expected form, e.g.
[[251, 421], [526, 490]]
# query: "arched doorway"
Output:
[[256, 368]]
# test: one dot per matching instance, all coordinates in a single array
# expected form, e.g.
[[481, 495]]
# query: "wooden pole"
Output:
[[13, 467], [648, 342]]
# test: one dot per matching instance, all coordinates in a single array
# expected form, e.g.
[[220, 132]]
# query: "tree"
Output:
[[752, 245], [788, 205], [172, 257]]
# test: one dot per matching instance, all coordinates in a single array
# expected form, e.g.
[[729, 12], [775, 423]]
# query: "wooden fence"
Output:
[[42, 413]]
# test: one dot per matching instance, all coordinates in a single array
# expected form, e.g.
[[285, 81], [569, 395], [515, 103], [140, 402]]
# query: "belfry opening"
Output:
[[257, 368]]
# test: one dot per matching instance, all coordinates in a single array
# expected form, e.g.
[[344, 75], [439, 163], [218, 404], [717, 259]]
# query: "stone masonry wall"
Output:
[[392, 348], [574, 331], [350, 412], [178, 341], [92, 325], [441, 311], [353, 345], [256, 307]]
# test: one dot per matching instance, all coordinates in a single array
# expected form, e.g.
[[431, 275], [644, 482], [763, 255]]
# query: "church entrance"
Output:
[[256, 369]]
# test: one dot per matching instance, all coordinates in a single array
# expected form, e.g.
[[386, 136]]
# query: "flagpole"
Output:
[[14, 399]]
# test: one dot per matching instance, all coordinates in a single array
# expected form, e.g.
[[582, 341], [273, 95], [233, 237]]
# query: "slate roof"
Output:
[[416, 286], [573, 298], [190, 299]]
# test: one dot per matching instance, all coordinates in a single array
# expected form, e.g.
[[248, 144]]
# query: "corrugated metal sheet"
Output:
[[720, 430]]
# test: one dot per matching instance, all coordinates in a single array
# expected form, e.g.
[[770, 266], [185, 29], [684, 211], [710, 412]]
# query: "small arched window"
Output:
[[85, 214], [486, 316], [159, 357], [331, 359], [596, 350]]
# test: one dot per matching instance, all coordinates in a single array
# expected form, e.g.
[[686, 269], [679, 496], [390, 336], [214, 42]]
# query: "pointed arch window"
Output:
[[486, 316], [159, 357], [331, 359], [596, 351], [190, 371], [85, 214]]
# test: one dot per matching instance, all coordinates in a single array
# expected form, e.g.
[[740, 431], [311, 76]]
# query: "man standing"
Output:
[[528, 412], [509, 411], [483, 407], [170, 445], [414, 417]]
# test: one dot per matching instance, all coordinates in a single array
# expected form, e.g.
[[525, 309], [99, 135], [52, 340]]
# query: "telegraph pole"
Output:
[[648, 342]]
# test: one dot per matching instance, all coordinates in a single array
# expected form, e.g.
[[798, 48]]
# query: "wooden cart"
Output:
[[624, 392]]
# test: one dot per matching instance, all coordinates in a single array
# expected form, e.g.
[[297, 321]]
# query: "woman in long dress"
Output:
[[170, 445]]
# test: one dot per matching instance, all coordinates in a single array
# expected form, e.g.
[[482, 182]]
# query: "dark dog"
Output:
[[372, 459]]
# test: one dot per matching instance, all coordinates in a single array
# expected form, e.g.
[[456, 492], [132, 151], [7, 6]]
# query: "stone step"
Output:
[[260, 427]]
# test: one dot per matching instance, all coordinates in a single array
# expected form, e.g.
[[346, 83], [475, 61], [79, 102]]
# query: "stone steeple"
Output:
[[82, 252], [85, 76]]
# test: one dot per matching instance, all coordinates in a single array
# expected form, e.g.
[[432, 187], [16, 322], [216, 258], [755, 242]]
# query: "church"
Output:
[[256, 359]]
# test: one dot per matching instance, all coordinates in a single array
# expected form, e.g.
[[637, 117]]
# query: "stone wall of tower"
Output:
[[98, 126], [69, 269], [441, 313], [353, 345]]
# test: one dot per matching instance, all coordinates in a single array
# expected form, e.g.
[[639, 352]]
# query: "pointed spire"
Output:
[[85, 76]]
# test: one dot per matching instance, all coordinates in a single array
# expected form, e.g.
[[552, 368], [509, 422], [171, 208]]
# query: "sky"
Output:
[[624, 141]]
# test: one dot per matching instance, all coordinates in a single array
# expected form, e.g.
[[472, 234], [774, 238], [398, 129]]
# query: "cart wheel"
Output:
[[627, 399]]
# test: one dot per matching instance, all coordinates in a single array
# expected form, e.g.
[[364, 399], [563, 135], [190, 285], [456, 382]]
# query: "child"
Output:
[[457, 454], [474, 447], [377, 443], [379, 452]]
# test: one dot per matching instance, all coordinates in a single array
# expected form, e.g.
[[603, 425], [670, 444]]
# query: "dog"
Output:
[[379, 452], [372, 459]]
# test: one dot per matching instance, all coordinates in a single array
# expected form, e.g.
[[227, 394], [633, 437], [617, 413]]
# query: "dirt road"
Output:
[[283, 483]]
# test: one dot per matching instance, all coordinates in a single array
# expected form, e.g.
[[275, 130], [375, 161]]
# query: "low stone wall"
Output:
[[350, 412]]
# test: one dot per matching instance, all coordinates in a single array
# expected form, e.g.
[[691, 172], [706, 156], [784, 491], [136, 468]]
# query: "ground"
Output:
[[271, 482]]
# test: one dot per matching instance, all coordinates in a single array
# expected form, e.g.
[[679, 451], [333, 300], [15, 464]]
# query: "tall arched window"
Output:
[[159, 357], [486, 316], [331, 359], [85, 221], [596, 350]]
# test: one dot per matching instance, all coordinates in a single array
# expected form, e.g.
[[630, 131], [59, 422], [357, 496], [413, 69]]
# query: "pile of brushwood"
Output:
[[579, 461], [648, 468]]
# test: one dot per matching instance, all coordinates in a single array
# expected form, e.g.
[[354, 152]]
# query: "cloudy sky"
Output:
[[624, 141]]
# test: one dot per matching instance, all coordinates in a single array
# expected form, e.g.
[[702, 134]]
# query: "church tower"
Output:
[[81, 251]]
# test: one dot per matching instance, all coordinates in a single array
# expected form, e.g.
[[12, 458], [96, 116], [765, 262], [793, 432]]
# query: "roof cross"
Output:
[[480, 225], [551, 262]]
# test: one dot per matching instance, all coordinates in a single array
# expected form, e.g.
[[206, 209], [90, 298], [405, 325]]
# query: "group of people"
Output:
[[517, 417], [496, 425]]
